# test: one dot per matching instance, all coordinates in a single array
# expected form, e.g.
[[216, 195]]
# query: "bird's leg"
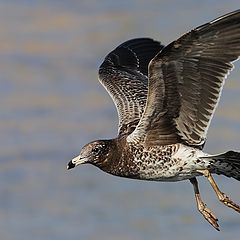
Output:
[[208, 215], [221, 196]]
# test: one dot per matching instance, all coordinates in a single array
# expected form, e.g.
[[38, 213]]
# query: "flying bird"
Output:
[[166, 97]]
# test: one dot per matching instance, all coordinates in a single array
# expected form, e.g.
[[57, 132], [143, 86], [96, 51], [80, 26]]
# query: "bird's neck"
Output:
[[119, 162]]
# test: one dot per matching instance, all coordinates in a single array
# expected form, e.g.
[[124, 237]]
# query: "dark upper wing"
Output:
[[185, 83], [124, 75]]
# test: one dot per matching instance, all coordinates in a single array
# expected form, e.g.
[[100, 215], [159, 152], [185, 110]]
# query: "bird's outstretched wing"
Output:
[[185, 83], [124, 75]]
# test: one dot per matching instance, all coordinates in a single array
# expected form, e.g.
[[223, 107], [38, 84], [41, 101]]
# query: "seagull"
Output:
[[166, 97]]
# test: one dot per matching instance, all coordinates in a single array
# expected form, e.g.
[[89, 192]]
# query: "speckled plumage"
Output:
[[165, 98]]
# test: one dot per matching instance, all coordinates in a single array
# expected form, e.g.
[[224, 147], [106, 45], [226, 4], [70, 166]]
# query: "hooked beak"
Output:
[[75, 162]]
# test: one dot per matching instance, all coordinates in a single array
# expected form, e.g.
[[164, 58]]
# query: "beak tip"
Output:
[[70, 165]]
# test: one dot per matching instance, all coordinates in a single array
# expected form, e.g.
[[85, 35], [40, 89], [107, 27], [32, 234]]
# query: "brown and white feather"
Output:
[[185, 83], [124, 75]]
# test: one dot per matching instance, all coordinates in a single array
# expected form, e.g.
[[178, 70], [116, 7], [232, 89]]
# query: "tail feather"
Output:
[[227, 164]]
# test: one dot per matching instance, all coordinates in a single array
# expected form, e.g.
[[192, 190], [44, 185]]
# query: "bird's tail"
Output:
[[227, 164]]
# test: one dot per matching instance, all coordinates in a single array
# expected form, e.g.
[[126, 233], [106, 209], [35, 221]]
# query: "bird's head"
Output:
[[96, 153]]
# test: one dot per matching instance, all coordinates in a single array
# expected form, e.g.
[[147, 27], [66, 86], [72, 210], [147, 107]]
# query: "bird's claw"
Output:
[[228, 202], [209, 216]]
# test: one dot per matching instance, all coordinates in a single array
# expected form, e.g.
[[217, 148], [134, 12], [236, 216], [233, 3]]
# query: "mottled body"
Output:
[[168, 163], [157, 163]]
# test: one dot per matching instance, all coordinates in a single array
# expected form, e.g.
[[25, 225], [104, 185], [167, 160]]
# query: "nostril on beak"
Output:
[[70, 165]]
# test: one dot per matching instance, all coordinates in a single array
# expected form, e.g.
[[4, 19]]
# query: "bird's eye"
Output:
[[96, 150]]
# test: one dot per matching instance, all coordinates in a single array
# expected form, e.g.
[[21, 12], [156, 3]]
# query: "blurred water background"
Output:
[[52, 104]]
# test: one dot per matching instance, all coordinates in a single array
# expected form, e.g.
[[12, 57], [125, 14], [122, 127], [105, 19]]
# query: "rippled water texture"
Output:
[[52, 104]]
